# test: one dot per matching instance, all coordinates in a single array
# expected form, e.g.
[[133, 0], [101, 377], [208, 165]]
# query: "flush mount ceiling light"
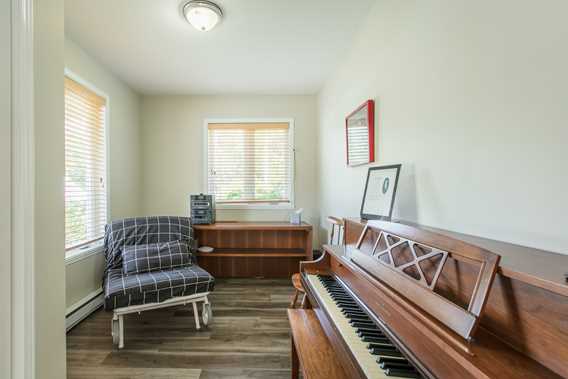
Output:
[[202, 15]]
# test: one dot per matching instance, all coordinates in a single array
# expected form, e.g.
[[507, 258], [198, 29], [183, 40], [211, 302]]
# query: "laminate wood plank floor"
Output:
[[249, 338]]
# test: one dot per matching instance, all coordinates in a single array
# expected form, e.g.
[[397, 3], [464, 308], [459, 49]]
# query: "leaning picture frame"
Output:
[[380, 192]]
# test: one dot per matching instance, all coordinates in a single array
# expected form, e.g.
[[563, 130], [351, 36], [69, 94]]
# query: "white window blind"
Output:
[[85, 165], [250, 162]]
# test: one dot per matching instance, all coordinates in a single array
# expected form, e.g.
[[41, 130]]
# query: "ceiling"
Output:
[[260, 47]]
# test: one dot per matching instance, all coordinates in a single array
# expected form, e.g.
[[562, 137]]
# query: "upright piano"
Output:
[[401, 301]]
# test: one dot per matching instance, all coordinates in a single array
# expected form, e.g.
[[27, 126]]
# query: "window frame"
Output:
[[251, 206], [85, 250]]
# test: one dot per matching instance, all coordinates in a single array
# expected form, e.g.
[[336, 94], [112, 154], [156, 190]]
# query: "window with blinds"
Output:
[[85, 165], [250, 163]]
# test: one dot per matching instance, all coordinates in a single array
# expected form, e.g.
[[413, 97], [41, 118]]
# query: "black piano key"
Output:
[[343, 304], [399, 373], [397, 365], [348, 308], [369, 335], [384, 345], [347, 303], [386, 352], [363, 324], [355, 318], [369, 331], [371, 339], [382, 360], [339, 296], [359, 314], [343, 300]]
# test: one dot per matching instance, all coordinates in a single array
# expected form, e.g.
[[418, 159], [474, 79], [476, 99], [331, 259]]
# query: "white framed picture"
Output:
[[380, 192]]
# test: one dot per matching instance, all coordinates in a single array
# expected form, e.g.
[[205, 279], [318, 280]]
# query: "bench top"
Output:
[[315, 353]]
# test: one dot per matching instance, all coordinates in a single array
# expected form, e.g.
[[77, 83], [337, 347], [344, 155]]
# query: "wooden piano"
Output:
[[399, 301]]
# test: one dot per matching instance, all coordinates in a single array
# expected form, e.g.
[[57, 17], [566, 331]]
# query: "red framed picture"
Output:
[[360, 134]]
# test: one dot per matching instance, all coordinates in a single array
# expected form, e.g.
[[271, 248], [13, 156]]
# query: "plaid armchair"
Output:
[[155, 285]]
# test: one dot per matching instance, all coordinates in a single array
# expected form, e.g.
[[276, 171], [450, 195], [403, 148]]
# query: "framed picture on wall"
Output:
[[380, 192], [360, 134]]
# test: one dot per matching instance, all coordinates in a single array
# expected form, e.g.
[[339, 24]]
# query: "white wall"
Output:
[[173, 149], [5, 186], [84, 277], [49, 201], [471, 98]]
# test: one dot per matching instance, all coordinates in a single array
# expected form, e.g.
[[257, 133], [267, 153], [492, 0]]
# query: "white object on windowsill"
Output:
[[205, 249], [296, 217]]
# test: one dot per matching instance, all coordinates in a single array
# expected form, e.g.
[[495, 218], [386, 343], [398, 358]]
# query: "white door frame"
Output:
[[22, 343], [5, 183]]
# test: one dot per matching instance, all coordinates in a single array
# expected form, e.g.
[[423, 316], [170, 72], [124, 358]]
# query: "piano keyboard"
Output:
[[372, 349]]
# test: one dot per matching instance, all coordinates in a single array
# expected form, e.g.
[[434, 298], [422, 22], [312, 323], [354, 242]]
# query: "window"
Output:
[[85, 165], [250, 163]]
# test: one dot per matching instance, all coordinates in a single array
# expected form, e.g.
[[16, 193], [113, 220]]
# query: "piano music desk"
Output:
[[311, 350]]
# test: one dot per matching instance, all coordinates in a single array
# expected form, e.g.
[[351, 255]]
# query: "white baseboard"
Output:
[[83, 308]]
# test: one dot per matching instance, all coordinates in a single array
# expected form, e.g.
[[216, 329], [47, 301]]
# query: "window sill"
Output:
[[79, 254], [268, 207]]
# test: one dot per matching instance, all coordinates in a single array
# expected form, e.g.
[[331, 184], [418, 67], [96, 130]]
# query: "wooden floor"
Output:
[[249, 338]]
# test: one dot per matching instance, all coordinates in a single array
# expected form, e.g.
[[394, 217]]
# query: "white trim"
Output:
[[90, 86], [83, 308], [6, 186], [290, 122], [83, 301], [81, 253], [23, 186]]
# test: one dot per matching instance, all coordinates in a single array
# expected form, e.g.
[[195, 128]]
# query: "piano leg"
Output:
[[294, 299], [304, 302], [295, 361]]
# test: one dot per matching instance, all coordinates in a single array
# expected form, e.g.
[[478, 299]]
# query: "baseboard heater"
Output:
[[83, 308]]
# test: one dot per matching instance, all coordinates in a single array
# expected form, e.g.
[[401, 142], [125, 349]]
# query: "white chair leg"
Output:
[[207, 314], [196, 315], [120, 331], [114, 329]]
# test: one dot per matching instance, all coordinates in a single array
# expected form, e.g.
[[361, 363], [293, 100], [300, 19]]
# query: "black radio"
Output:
[[202, 209]]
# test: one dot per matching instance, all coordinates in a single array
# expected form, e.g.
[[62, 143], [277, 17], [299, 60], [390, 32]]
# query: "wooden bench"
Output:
[[311, 350]]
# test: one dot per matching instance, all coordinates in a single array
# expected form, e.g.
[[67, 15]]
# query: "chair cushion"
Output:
[[123, 290], [142, 231], [137, 259]]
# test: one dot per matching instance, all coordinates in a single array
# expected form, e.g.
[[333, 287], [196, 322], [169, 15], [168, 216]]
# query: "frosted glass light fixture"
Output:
[[202, 15]]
